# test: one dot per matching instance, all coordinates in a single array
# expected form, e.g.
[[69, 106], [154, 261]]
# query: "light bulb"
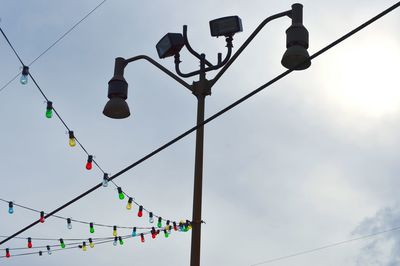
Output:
[[29, 242], [151, 218], [168, 227], [72, 141], [105, 180], [41, 217], [69, 223], [159, 223], [129, 204], [134, 231], [91, 229], [153, 233], [10, 207], [48, 249], [120, 193], [115, 241], [91, 243], [40, 253], [142, 237], [62, 244], [175, 227], [89, 162], [166, 234], [8, 253], [114, 230], [84, 248], [24, 75], [49, 109], [121, 242], [140, 212]]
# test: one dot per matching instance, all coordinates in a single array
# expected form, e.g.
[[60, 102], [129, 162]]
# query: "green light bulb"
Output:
[[120, 193], [49, 113], [91, 226], [62, 244], [159, 222], [121, 242], [166, 234]]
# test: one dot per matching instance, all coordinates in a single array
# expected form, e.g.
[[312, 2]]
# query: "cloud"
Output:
[[384, 250]]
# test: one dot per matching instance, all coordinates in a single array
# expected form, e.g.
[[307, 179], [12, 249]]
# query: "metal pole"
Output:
[[200, 90]]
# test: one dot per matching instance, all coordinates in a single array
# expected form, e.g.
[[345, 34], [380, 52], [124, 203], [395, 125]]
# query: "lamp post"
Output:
[[296, 57]]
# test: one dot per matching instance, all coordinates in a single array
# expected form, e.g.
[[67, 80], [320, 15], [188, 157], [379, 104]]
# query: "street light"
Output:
[[296, 57]]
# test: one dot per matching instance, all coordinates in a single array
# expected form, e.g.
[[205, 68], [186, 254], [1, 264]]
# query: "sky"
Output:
[[309, 161]]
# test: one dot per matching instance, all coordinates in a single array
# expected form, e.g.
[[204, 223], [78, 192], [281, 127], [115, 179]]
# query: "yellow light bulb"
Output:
[[129, 206], [72, 142], [91, 245]]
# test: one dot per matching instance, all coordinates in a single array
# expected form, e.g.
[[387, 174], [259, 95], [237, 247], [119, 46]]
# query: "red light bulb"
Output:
[[140, 212], [41, 217], [175, 227], [153, 233], [29, 242], [142, 238], [89, 162], [7, 253]]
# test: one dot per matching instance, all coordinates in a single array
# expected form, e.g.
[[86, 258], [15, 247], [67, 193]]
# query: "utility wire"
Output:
[[78, 221], [327, 246], [211, 118], [54, 43]]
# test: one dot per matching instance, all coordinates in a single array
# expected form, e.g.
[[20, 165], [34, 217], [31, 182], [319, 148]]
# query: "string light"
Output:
[[41, 217], [49, 109], [166, 234], [115, 230], [129, 204], [175, 227], [121, 242], [89, 162], [8, 253], [29, 242], [115, 241], [134, 231], [91, 244], [24, 75], [48, 250], [72, 141], [10, 207], [62, 244], [151, 218], [84, 246], [40, 253], [153, 233], [159, 223], [91, 228], [140, 212], [105, 180], [69, 223], [142, 238], [120, 193]]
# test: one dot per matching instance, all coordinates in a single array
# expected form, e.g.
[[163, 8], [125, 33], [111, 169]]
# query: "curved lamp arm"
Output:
[[249, 39], [159, 66]]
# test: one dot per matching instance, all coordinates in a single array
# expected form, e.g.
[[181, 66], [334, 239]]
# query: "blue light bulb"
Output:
[[10, 207], [134, 232], [24, 79]]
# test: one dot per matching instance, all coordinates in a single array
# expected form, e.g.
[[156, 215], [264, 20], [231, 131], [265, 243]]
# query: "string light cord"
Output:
[[54, 43], [327, 246], [68, 128], [76, 220], [229, 107]]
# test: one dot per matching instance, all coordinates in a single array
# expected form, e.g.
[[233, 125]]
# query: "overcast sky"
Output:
[[310, 161]]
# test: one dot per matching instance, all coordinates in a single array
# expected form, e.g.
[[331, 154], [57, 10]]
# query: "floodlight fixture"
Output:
[[170, 45], [226, 26]]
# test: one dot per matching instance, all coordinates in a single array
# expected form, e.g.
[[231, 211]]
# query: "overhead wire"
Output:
[[211, 118], [326, 246], [54, 43]]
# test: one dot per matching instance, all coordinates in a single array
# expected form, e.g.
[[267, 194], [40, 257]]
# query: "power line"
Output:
[[326, 246], [54, 43], [211, 118]]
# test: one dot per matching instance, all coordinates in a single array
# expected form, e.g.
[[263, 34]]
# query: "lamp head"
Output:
[[170, 45], [296, 55], [226, 26], [117, 107]]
